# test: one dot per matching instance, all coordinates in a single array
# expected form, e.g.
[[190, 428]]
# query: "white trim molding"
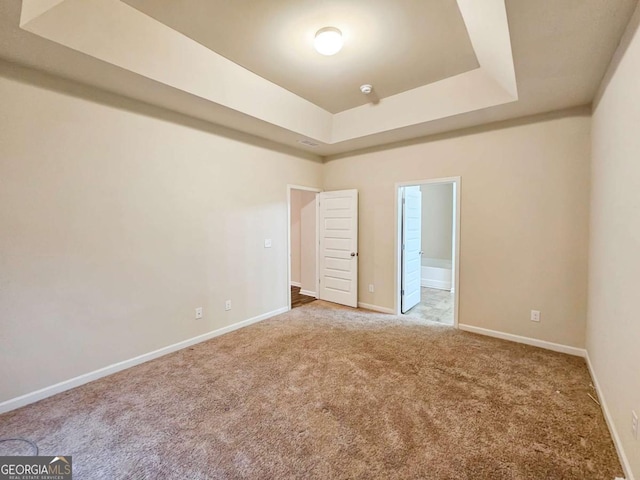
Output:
[[376, 308], [626, 466], [556, 347], [295, 284], [308, 293], [32, 397]]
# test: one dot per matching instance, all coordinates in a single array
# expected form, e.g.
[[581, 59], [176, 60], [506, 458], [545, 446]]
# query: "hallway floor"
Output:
[[297, 299]]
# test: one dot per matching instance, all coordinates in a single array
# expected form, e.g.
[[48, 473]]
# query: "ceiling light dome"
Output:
[[328, 41]]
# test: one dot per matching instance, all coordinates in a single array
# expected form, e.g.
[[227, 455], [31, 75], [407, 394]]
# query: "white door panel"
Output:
[[339, 247], [411, 247]]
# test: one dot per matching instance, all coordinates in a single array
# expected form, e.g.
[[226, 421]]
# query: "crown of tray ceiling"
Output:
[[162, 53], [396, 45], [115, 32]]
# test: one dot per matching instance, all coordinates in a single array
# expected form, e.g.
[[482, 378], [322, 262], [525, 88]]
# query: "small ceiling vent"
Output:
[[308, 143]]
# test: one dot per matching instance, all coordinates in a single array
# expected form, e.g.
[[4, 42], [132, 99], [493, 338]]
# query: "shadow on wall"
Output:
[[96, 95]]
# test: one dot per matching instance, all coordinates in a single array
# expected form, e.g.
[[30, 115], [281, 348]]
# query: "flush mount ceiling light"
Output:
[[328, 41]]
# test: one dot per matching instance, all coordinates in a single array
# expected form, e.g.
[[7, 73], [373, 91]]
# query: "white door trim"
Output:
[[307, 189], [456, 181]]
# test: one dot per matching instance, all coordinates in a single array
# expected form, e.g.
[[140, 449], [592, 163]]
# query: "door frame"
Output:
[[456, 181], [317, 191]]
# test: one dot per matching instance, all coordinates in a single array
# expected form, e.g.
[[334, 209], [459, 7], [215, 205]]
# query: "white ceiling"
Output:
[[561, 49], [395, 45]]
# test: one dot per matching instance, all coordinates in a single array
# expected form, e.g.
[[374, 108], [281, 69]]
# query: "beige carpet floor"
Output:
[[325, 392]]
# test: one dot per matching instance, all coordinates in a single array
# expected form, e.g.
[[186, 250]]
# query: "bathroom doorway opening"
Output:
[[428, 239]]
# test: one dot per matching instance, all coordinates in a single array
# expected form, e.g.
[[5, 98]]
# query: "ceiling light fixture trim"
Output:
[[328, 41]]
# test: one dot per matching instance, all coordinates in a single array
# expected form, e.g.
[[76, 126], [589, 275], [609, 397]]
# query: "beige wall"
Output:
[[613, 326], [437, 221], [524, 225], [119, 219], [296, 211]]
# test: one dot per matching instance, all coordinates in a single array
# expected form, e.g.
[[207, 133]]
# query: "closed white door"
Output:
[[411, 247], [339, 247]]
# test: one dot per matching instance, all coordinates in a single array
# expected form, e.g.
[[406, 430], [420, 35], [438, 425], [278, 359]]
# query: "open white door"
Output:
[[339, 247], [411, 246]]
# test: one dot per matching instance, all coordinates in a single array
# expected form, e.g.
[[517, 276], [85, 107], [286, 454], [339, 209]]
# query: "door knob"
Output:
[[353, 254]]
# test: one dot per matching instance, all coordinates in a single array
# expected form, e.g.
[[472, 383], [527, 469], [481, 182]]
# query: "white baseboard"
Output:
[[308, 293], [376, 308], [295, 284], [438, 284], [556, 347], [32, 397], [626, 466]]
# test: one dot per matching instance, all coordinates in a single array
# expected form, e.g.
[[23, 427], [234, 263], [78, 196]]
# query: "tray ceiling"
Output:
[[532, 57], [114, 32], [396, 45]]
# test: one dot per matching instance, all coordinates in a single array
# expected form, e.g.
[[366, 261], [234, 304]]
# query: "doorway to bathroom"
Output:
[[428, 238]]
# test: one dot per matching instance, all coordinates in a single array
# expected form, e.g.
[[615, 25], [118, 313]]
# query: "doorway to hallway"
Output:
[[323, 246], [303, 246]]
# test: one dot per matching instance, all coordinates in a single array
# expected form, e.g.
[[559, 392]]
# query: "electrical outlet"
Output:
[[634, 424], [267, 243], [535, 315], [371, 288], [198, 313], [227, 305]]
